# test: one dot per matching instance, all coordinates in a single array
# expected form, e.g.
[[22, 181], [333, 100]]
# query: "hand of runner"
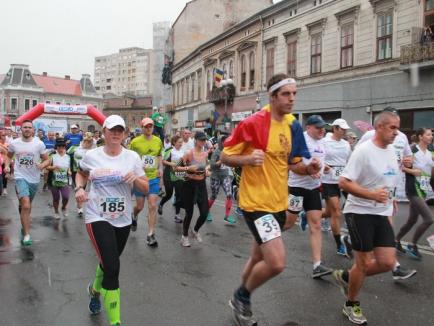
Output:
[[407, 161], [381, 195], [130, 177], [257, 157], [314, 166], [7, 169], [81, 195], [39, 166], [327, 169]]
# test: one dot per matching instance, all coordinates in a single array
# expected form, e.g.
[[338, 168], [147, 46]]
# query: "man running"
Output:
[[149, 148], [262, 144], [49, 143], [370, 178], [28, 150], [74, 138], [187, 141]]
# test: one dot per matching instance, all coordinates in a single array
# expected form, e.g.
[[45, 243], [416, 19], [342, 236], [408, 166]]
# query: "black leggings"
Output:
[[418, 206], [5, 180], [194, 192], [169, 186], [109, 242]]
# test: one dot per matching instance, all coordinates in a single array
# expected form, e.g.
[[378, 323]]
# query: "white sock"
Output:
[[316, 264], [397, 264]]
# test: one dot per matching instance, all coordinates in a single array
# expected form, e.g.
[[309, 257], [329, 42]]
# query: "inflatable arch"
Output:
[[42, 108]]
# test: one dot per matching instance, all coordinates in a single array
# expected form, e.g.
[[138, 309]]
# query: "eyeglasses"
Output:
[[148, 126]]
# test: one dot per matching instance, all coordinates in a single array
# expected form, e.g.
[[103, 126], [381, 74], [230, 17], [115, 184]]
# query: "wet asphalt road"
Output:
[[45, 284]]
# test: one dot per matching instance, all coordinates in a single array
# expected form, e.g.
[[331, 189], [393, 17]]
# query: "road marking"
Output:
[[49, 277]]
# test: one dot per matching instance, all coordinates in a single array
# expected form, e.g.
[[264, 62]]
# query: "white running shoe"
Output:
[[185, 242], [196, 236]]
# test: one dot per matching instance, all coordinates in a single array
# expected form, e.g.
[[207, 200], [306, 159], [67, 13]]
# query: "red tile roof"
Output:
[[57, 85]]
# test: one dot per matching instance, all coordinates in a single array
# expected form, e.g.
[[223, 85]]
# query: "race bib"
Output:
[[26, 161], [295, 203], [267, 227], [392, 192], [337, 172], [424, 183], [180, 174], [61, 176], [149, 161], [111, 207]]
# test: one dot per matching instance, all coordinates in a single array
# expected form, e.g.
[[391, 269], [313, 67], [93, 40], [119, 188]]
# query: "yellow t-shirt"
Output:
[[265, 188], [149, 152]]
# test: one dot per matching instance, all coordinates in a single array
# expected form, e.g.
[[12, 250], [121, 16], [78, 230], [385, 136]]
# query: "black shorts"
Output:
[[369, 231], [330, 190], [311, 198], [251, 217]]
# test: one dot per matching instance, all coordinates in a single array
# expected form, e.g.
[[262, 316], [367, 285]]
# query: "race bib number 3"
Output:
[[295, 203], [267, 227], [111, 207], [149, 161]]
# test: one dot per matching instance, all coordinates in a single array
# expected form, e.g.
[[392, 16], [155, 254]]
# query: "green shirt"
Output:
[[159, 120], [149, 151]]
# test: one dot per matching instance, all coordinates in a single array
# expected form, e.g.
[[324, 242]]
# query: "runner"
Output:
[[73, 138], [338, 152], [112, 172], [305, 193], [49, 143], [149, 148], [173, 180], [221, 176], [60, 168], [370, 178], [194, 188], [27, 171], [4, 151], [262, 144], [418, 184], [187, 141]]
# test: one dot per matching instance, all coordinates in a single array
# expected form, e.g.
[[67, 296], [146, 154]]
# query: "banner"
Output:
[[65, 109], [218, 75], [55, 125]]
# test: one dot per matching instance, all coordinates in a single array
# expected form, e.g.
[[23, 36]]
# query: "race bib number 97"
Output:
[[149, 161], [112, 207], [267, 227], [295, 203]]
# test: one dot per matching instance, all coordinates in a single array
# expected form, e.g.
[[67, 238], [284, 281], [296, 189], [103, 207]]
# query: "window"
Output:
[[231, 69], [26, 104], [347, 41], [243, 72], [34, 103], [14, 104], [315, 54], [199, 85], [109, 87], [224, 71], [384, 35], [429, 5], [252, 70], [208, 88], [269, 70], [429, 14], [192, 88], [292, 58]]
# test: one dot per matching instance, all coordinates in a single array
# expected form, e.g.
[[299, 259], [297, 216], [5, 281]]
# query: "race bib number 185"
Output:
[[267, 227], [112, 207]]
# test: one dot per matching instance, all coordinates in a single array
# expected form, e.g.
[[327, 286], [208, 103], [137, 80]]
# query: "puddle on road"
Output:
[[11, 254]]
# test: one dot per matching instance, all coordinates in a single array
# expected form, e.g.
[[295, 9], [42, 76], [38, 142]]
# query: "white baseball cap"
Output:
[[74, 126], [113, 121], [341, 123]]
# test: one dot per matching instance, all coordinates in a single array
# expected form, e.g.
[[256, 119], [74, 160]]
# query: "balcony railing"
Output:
[[417, 53], [218, 95]]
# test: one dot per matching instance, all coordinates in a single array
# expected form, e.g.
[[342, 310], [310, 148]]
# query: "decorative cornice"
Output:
[[226, 54], [245, 45], [209, 61], [270, 40], [321, 22], [347, 11], [292, 32]]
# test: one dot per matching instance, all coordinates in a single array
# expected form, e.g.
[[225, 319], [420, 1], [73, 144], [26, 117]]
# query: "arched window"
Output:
[[252, 70], [243, 71]]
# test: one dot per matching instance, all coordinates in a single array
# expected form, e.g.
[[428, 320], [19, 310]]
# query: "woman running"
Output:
[[194, 189], [112, 172], [58, 177], [418, 181]]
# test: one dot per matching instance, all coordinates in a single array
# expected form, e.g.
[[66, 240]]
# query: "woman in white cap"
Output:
[[112, 172]]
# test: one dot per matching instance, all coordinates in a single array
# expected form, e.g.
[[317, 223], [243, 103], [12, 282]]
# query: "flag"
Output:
[[218, 75]]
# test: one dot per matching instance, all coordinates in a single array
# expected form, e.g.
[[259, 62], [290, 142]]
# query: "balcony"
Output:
[[219, 95], [418, 53]]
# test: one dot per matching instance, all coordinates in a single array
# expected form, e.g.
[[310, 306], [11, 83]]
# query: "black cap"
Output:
[[200, 135], [60, 142], [316, 120]]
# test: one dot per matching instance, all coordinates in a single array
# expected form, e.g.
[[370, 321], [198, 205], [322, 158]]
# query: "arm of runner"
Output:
[[256, 158], [8, 159], [81, 181], [312, 169], [45, 161], [380, 195], [415, 172]]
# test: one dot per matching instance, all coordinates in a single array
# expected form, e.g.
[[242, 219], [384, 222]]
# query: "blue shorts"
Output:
[[154, 188], [25, 189]]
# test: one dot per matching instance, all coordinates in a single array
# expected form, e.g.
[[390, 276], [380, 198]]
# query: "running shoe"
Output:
[[80, 212], [56, 216], [196, 236], [160, 210], [151, 241], [64, 212], [342, 251], [178, 219], [430, 240], [95, 302], [303, 221], [346, 240], [239, 212], [413, 251], [399, 247], [5, 192], [242, 312], [400, 273], [162, 193], [185, 242], [230, 220], [321, 270], [337, 275], [354, 314], [325, 225], [27, 240], [209, 217], [134, 224]]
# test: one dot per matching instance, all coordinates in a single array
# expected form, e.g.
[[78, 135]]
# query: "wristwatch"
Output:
[[78, 188]]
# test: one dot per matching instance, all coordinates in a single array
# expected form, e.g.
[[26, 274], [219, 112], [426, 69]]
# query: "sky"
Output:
[[63, 37]]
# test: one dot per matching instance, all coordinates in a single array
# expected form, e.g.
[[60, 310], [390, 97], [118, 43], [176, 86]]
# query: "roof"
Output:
[[58, 85]]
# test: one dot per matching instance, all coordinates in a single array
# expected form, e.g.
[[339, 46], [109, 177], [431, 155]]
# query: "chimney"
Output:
[[67, 77], [44, 74]]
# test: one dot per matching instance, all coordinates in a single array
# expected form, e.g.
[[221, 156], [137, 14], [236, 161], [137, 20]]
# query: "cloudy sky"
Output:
[[62, 37]]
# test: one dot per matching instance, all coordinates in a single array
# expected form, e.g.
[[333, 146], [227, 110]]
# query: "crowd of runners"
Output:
[[272, 172]]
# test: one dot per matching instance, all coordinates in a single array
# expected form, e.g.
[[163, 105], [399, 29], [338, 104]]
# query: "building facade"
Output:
[[161, 92], [351, 58], [127, 72], [20, 90]]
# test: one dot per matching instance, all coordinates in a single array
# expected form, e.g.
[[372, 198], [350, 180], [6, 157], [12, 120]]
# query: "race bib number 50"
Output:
[[149, 161], [111, 207], [267, 227]]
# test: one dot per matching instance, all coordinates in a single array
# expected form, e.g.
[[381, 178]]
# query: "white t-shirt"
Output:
[[79, 153], [176, 155], [27, 154], [64, 163], [423, 161], [186, 146], [337, 155], [109, 197], [316, 149], [372, 167]]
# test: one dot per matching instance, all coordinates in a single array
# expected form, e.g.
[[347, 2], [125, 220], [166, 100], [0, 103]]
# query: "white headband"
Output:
[[283, 82]]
